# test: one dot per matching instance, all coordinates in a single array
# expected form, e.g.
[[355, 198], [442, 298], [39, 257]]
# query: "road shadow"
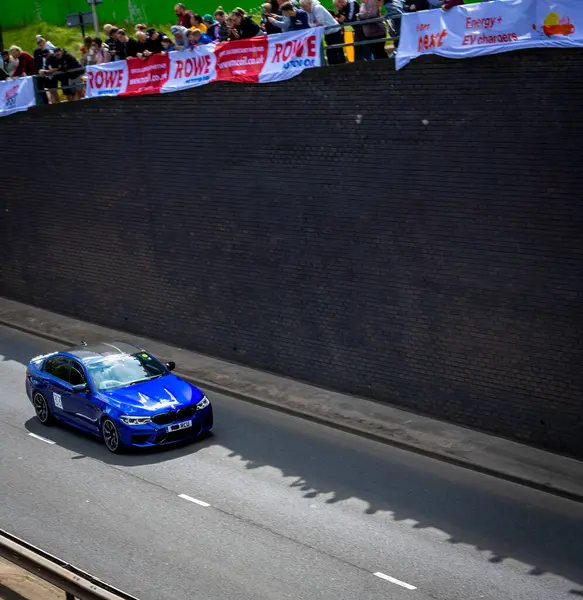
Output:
[[85, 445], [337, 467], [493, 517]]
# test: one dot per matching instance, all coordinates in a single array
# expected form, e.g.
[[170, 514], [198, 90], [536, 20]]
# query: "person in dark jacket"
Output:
[[154, 41], [69, 74], [298, 17], [416, 5], [242, 26], [267, 19], [113, 43], [25, 60], [223, 29], [127, 47], [42, 52]]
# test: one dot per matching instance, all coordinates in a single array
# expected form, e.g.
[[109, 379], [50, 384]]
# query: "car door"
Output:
[[58, 389], [82, 404]]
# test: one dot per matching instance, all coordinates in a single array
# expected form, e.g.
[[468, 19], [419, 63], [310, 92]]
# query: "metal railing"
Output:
[[367, 42], [76, 584], [389, 19], [72, 74]]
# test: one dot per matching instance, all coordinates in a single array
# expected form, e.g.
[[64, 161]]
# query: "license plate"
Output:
[[179, 426]]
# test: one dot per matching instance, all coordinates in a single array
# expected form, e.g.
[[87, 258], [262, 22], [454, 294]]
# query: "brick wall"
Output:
[[318, 228]]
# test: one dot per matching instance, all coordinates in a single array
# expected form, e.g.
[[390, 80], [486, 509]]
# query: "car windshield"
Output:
[[120, 370]]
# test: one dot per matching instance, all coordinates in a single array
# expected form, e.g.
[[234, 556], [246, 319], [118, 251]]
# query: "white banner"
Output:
[[107, 79], [263, 59], [490, 28], [290, 53], [16, 95], [191, 68]]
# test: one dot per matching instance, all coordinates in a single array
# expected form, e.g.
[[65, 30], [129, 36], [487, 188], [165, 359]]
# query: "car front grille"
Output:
[[165, 418], [182, 414], [185, 413]]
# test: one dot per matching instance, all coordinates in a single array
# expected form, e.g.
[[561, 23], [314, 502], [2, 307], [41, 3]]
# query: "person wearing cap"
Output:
[[25, 60], [213, 28], [180, 37], [68, 72], [42, 52], [154, 41]]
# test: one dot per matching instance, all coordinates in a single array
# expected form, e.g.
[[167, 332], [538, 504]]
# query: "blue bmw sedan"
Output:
[[118, 392]]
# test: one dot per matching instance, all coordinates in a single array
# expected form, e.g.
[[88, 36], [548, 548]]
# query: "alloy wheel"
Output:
[[41, 408], [110, 435]]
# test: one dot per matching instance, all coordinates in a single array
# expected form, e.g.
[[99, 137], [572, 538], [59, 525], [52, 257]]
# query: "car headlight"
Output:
[[203, 403], [135, 420]]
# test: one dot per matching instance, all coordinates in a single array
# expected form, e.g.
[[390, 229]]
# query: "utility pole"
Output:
[[94, 4]]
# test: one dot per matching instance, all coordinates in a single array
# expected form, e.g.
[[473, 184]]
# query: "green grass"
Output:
[[68, 38]]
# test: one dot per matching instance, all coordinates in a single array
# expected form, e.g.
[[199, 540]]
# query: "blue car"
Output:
[[118, 392]]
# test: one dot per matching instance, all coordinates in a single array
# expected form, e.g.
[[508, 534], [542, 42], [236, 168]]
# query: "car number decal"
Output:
[[57, 400]]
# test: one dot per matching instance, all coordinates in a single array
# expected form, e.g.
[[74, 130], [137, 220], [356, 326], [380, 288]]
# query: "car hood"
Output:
[[167, 393]]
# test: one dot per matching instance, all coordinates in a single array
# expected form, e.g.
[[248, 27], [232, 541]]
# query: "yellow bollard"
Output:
[[349, 39]]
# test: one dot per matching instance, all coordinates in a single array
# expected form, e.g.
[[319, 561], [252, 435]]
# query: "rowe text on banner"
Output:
[[257, 60]]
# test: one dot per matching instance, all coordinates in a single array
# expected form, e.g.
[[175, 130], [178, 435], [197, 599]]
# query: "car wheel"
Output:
[[41, 407], [111, 436]]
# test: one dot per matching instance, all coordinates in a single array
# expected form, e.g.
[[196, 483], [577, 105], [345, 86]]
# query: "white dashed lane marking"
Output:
[[407, 586], [42, 439], [194, 500]]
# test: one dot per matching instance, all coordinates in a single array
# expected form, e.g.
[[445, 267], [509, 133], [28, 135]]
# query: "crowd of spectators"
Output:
[[60, 68]]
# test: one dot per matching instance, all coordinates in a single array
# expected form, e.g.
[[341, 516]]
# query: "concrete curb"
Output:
[[338, 424]]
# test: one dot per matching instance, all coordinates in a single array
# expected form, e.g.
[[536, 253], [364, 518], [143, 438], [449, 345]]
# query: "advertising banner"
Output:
[[191, 68], [16, 95], [242, 60], [108, 79], [261, 59], [290, 53], [490, 28]]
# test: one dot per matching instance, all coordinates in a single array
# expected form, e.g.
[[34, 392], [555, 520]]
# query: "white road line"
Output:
[[407, 586], [42, 439], [191, 499]]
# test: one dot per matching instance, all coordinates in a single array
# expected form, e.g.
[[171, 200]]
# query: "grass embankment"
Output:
[[68, 38]]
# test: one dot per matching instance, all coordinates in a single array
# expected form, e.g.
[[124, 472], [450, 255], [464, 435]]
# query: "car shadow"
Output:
[[85, 445]]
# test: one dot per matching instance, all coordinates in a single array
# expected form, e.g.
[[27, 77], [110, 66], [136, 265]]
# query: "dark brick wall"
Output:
[[317, 228]]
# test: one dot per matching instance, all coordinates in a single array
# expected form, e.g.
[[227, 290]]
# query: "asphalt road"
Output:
[[290, 509]]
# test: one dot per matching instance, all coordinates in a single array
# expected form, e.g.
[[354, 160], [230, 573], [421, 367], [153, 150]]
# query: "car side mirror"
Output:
[[79, 389], [171, 365]]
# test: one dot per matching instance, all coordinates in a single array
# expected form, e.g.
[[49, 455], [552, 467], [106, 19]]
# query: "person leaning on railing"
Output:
[[320, 16], [243, 26], [8, 65], [68, 72], [42, 52], [373, 31], [347, 13], [25, 60]]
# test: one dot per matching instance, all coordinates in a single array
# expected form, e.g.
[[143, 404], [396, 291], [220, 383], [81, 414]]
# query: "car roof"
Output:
[[106, 348]]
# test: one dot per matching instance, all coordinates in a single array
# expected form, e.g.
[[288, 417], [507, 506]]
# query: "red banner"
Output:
[[241, 60], [147, 76]]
